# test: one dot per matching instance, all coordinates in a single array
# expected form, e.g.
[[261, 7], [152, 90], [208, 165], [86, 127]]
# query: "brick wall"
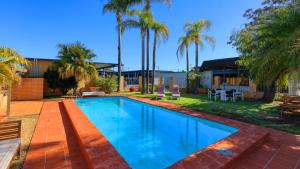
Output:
[[28, 89]]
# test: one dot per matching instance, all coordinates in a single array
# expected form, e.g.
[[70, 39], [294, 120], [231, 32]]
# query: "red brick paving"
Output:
[[97, 150], [281, 150], [53, 144]]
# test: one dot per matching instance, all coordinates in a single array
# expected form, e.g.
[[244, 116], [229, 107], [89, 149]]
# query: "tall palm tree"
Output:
[[76, 61], [147, 8], [195, 31], [119, 7], [184, 43], [144, 19], [11, 64], [161, 32]]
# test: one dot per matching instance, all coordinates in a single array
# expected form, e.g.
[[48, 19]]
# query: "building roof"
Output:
[[220, 64], [157, 71], [99, 65]]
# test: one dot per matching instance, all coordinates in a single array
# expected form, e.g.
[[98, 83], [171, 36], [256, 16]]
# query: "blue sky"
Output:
[[35, 27]]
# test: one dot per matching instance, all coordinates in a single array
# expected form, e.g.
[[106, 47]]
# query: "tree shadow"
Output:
[[75, 155]]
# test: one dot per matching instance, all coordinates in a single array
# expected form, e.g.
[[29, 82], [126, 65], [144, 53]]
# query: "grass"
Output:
[[266, 115]]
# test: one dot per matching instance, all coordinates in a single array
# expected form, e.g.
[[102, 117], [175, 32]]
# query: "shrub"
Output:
[[55, 82], [107, 84]]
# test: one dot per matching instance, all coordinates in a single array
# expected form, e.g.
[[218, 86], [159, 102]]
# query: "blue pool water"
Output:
[[150, 137]]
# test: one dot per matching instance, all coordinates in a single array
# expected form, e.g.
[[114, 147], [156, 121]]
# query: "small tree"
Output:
[[76, 62], [55, 82]]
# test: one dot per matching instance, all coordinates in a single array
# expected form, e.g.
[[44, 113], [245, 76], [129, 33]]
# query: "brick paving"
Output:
[[54, 144], [281, 151]]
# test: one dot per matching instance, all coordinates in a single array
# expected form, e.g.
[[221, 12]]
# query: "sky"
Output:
[[35, 27]]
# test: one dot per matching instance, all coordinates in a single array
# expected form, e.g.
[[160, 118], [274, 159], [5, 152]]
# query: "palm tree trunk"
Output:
[[154, 61], [119, 18], [148, 61], [187, 71], [197, 67], [143, 61]]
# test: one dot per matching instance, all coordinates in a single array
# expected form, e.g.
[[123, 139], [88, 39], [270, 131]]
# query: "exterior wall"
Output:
[[38, 68], [28, 89], [294, 85], [179, 78], [3, 103], [206, 79]]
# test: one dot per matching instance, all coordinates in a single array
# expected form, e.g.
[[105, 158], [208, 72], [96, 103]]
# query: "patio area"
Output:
[[54, 145]]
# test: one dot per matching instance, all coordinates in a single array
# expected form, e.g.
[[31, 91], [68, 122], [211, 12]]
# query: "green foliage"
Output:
[[193, 80], [269, 43], [108, 84], [55, 82], [76, 61], [11, 65], [195, 32]]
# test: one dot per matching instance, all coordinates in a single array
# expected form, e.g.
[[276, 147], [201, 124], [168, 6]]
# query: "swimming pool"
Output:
[[150, 137]]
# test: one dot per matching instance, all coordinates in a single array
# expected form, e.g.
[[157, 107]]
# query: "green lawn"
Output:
[[258, 113]]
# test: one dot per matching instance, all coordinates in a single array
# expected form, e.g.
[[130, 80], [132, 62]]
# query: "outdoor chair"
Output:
[[10, 142], [160, 93], [175, 93], [213, 94], [230, 95], [238, 95]]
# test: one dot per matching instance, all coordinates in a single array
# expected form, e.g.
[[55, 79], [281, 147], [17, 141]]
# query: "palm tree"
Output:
[[119, 7], [11, 64], [147, 8], [76, 61], [161, 32], [184, 43], [143, 22], [195, 31]]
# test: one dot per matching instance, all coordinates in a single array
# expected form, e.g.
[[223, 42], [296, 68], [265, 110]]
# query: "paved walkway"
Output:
[[281, 151], [53, 144], [26, 108]]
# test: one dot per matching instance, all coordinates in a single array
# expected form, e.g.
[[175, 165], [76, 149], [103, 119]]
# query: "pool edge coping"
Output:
[[245, 140], [96, 149]]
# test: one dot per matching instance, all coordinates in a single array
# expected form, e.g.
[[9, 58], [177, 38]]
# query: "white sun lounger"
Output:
[[88, 94]]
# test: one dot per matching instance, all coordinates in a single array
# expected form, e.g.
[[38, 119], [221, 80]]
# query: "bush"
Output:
[[193, 82], [55, 82], [107, 84]]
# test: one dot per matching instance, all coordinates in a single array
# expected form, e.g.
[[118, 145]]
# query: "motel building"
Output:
[[226, 74]]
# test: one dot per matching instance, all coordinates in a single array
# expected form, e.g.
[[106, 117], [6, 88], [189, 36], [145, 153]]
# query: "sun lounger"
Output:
[[160, 93], [10, 142], [90, 94], [175, 93]]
